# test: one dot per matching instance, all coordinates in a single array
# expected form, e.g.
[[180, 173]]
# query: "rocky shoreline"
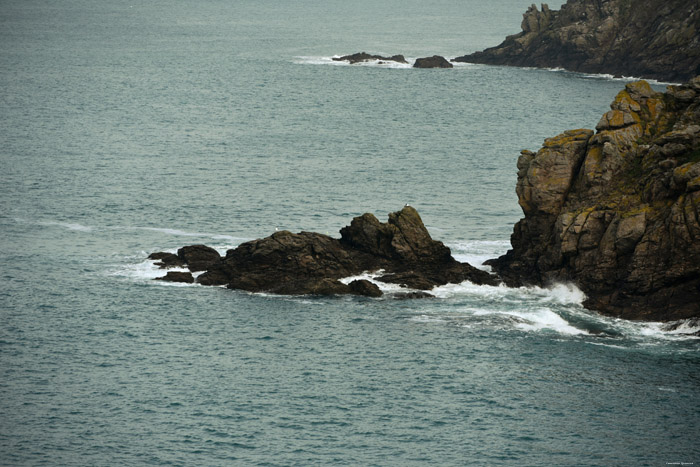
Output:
[[645, 39], [615, 211]]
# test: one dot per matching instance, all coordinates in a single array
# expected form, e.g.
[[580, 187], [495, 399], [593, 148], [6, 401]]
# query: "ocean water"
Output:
[[129, 127]]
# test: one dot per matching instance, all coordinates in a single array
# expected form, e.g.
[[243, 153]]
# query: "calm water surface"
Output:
[[130, 127]]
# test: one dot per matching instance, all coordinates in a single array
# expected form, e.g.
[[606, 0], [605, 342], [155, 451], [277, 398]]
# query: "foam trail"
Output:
[[148, 271], [70, 226], [372, 277], [328, 60], [545, 319]]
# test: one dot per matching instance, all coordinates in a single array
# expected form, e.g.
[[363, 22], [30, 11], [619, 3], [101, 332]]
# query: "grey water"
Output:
[[129, 127]]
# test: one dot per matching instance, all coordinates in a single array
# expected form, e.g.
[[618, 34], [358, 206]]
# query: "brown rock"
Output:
[[436, 61], [198, 257], [365, 288], [311, 263], [613, 213], [167, 260], [175, 276]]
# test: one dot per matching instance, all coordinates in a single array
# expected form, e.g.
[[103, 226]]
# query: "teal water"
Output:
[[130, 127]]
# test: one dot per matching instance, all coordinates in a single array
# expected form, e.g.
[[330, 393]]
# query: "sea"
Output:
[[133, 126]]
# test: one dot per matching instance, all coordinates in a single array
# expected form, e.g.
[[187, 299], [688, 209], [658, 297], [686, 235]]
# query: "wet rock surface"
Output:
[[312, 263], [617, 211], [436, 61], [649, 39]]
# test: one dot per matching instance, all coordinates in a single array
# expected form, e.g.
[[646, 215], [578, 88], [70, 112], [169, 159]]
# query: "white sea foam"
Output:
[[564, 294], [70, 226], [328, 60], [545, 319], [147, 270], [603, 344], [427, 319], [372, 277], [478, 251]]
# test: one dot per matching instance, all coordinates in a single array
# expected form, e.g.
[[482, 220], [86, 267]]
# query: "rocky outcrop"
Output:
[[177, 276], [436, 61], [167, 260], [312, 263], [194, 257], [617, 211], [646, 38], [198, 257], [365, 57]]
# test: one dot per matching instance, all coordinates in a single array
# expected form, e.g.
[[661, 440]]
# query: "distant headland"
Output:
[[654, 39]]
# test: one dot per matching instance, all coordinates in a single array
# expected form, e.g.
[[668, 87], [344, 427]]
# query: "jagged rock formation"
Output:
[[617, 211], [194, 257], [365, 57], [436, 61], [657, 39], [312, 263]]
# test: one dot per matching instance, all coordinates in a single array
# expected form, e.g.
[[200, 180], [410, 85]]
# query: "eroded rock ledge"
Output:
[[644, 38], [617, 211], [312, 263]]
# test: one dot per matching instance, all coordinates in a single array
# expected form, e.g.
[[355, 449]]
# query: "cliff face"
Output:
[[617, 211], [657, 39]]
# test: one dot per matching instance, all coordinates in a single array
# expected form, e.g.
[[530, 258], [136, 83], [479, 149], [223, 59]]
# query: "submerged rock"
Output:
[[649, 38], [312, 263], [617, 211], [436, 61], [365, 57]]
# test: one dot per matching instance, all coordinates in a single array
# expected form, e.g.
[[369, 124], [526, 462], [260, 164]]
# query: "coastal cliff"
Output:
[[617, 211], [656, 39]]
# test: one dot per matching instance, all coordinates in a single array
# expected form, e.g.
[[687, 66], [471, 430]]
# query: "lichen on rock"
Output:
[[617, 211]]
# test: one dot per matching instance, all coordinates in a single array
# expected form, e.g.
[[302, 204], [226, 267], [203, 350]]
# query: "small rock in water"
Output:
[[177, 276], [365, 57], [436, 61], [167, 260], [365, 288]]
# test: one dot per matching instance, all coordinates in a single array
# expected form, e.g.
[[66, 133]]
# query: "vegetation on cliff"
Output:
[[646, 38]]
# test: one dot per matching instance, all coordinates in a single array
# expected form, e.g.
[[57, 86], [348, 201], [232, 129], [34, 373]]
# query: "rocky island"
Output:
[[311, 263], [617, 211], [646, 38]]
